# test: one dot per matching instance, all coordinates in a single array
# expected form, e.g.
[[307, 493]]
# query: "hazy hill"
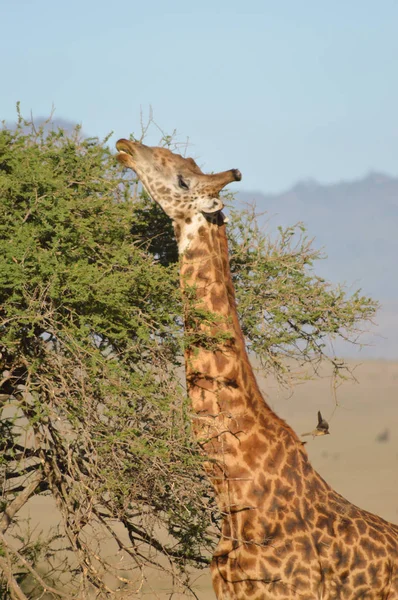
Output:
[[54, 124], [356, 223]]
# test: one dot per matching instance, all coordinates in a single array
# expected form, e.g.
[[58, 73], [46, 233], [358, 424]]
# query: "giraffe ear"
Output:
[[210, 205]]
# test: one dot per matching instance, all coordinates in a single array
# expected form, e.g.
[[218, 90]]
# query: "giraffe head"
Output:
[[174, 182]]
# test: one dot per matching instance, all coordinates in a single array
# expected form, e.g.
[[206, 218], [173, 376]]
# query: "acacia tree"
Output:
[[94, 420]]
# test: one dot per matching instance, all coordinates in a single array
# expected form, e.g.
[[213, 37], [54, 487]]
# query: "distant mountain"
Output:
[[356, 223], [53, 124]]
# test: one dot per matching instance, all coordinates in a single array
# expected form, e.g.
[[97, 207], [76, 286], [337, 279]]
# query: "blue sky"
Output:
[[282, 90]]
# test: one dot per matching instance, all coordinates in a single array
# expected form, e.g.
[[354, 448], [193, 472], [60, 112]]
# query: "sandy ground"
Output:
[[359, 459]]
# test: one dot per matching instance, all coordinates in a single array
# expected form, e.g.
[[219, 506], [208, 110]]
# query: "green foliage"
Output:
[[91, 346], [90, 338], [286, 310]]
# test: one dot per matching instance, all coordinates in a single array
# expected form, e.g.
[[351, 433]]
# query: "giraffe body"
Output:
[[285, 532]]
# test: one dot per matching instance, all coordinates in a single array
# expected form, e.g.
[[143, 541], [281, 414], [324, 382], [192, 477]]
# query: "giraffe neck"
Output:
[[230, 411]]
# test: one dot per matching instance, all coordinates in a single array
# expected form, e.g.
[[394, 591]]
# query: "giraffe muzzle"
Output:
[[125, 147]]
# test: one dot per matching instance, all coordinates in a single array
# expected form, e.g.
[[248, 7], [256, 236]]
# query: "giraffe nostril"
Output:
[[237, 174]]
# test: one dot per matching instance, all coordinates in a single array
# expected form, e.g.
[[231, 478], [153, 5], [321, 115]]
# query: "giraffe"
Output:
[[285, 532]]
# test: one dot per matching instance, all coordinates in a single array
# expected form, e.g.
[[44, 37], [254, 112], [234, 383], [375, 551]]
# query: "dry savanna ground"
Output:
[[359, 459]]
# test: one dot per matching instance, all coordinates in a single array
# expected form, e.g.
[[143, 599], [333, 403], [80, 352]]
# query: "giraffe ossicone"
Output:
[[286, 534]]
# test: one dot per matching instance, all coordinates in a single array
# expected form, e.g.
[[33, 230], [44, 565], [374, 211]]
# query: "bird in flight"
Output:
[[321, 429]]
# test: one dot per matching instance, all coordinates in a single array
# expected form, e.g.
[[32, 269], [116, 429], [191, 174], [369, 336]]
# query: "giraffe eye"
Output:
[[182, 183]]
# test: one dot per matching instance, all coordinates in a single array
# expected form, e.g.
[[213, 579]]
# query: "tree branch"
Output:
[[35, 574], [19, 501], [16, 591]]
